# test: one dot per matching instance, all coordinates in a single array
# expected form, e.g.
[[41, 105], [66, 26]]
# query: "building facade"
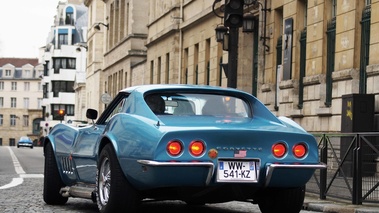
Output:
[[64, 60], [116, 44], [20, 99], [301, 60], [288, 62]]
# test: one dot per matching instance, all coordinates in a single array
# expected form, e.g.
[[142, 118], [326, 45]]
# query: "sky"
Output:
[[24, 26]]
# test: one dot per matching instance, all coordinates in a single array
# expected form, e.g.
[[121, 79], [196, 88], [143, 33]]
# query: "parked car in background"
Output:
[[199, 144], [25, 142]]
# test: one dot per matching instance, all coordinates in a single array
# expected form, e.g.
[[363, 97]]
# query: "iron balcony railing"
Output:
[[352, 172]]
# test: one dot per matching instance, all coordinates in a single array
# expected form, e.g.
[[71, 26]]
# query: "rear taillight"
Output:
[[279, 150], [300, 150], [174, 148], [196, 148]]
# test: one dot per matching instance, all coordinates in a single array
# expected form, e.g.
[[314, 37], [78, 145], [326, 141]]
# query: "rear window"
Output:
[[189, 104]]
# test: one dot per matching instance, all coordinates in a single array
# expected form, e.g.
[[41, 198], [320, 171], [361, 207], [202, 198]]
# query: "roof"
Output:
[[148, 87], [18, 62]]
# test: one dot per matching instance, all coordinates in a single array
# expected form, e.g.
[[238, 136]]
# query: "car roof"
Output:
[[149, 87]]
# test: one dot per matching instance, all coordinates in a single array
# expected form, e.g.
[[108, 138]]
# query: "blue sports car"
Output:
[[25, 142], [198, 144]]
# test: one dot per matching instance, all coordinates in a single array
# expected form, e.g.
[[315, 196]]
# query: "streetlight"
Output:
[[248, 23], [234, 18], [221, 30], [97, 25], [80, 46]]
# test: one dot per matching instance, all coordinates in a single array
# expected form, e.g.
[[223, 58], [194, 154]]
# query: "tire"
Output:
[[282, 200], [194, 203], [52, 182], [113, 191]]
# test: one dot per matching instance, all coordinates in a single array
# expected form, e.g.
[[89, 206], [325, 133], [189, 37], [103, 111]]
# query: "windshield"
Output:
[[24, 138], [190, 104]]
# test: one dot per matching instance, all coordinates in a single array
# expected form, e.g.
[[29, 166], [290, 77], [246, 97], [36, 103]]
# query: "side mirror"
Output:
[[91, 114]]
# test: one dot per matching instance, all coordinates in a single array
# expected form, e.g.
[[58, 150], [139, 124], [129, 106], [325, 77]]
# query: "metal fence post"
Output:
[[323, 172], [357, 172]]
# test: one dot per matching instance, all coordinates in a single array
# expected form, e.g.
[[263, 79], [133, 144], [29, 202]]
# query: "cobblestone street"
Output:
[[27, 197]]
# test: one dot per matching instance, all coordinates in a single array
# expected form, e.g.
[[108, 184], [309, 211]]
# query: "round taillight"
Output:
[[279, 150], [174, 148], [196, 148], [299, 150]]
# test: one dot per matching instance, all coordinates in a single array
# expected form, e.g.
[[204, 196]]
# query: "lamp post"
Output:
[[234, 18]]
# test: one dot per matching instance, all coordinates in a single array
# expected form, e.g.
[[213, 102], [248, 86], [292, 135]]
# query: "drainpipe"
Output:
[[180, 42]]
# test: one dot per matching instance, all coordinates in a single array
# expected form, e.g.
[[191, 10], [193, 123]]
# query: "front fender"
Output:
[[62, 137]]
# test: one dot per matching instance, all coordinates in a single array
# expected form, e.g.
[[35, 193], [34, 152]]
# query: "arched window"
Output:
[[69, 16]]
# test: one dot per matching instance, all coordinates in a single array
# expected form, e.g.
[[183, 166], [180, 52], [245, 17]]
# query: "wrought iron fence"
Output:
[[352, 167]]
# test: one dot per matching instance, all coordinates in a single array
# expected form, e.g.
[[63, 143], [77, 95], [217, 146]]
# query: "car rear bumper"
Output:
[[201, 173], [290, 175], [25, 144], [176, 167]]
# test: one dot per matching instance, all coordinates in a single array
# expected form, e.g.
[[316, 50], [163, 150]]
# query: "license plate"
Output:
[[238, 171]]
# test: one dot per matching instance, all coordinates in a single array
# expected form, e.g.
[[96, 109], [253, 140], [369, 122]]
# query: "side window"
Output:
[[117, 109]]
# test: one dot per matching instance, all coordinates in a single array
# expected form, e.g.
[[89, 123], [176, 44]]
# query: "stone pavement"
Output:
[[333, 205]]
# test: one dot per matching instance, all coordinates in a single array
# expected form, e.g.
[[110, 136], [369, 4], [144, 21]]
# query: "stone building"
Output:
[[301, 59], [20, 99], [116, 44]]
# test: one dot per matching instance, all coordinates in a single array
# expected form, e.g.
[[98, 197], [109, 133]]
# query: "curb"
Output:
[[312, 203]]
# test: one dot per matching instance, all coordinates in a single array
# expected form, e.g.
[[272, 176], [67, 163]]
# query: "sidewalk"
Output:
[[333, 205]]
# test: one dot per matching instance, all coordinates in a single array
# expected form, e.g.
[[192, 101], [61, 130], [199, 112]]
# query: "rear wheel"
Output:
[[52, 182], [194, 202], [113, 192], [282, 200]]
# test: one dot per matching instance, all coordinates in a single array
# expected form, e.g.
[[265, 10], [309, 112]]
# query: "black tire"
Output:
[[194, 203], [52, 182], [282, 200], [113, 191]]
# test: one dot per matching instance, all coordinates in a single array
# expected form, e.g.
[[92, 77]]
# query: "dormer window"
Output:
[[27, 74], [8, 73], [69, 16]]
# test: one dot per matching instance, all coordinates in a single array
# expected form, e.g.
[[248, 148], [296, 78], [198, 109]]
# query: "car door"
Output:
[[85, 149], [84, 153]]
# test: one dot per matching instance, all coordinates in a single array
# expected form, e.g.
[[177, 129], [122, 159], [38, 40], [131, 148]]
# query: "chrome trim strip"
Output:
[[189, 164], [270, 168]]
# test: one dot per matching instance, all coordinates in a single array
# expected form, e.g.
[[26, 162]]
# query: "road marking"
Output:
[[31, 175], [15, 182], [20, 171], [16, 163]]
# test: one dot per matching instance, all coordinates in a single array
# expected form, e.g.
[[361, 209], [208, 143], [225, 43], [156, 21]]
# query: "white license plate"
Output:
[[238, 171]]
